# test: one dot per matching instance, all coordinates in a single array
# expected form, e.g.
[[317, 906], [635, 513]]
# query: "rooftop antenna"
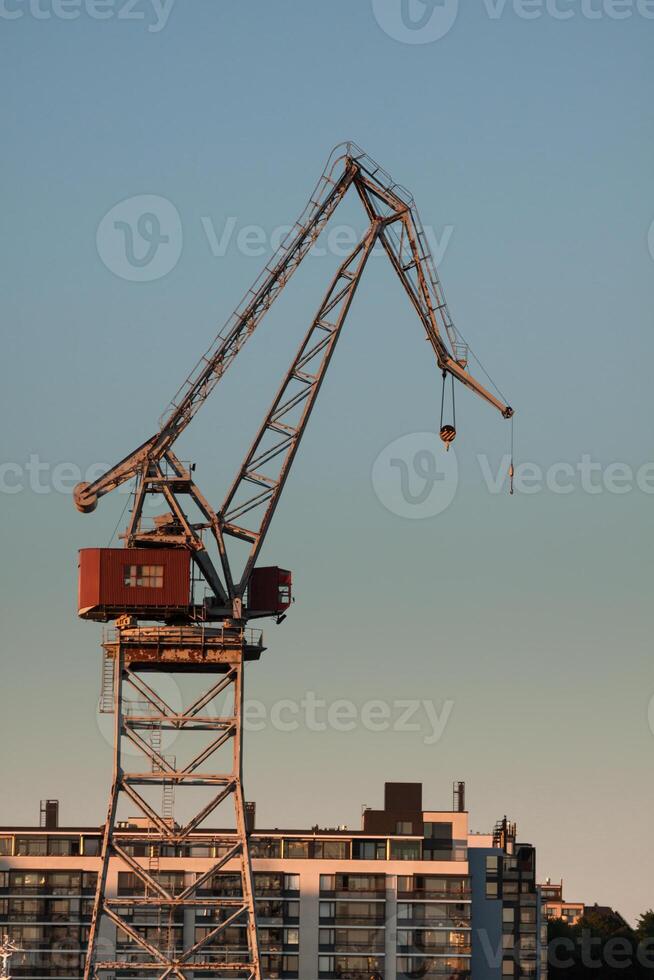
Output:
[[459, 797], [7, 949]]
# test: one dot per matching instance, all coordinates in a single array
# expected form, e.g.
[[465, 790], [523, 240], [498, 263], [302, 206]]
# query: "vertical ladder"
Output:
[[168, 793], [154, 850], [215, 771], [106, 702]]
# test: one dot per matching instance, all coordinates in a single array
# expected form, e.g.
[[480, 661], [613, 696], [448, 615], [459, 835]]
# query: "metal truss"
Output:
[[142, 718], [244, 516], [395, 223]]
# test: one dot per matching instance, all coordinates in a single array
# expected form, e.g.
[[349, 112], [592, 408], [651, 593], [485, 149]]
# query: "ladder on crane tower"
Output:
[[167, 785], [165, 922], [106, 701]]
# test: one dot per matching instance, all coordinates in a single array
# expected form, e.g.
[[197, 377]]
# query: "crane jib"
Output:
[[245, 514]]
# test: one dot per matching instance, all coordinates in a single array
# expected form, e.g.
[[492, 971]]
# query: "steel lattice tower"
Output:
[[219, 656]]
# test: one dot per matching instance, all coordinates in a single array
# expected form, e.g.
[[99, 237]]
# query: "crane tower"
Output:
[[151, 590]]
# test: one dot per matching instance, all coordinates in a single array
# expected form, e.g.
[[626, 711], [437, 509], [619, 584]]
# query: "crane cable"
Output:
[[511, 466], [448, 432], [483, 370], [122, 514], [511, 472]]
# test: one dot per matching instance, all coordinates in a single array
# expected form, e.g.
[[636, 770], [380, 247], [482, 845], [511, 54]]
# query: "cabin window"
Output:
[[144, 576]]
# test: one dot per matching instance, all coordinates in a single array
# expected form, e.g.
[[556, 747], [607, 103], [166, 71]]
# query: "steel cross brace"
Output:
[[166, 903]]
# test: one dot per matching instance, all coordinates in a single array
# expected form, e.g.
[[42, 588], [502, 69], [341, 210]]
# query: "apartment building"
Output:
[[412, 894], [555, 906]]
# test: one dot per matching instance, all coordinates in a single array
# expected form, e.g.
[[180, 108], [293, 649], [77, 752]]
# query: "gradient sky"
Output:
[[529, 143]]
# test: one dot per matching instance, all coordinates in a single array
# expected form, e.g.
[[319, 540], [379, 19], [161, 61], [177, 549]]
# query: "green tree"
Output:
[[645, 925]]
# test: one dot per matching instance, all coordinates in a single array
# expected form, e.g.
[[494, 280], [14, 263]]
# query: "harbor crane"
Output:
[[151, 591]]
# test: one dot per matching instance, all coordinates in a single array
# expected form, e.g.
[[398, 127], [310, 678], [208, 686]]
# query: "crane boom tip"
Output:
[[84, 501]]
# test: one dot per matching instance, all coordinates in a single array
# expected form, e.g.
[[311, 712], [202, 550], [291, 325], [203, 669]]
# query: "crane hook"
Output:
[[448, 432]]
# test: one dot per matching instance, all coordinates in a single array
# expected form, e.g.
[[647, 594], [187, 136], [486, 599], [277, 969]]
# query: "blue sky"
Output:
[[527, 144]]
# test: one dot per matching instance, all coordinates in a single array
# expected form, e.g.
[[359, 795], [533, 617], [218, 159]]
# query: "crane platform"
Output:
[[184, 648]]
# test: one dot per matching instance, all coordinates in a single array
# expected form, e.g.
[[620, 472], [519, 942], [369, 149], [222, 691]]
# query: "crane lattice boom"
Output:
[[251, 500]]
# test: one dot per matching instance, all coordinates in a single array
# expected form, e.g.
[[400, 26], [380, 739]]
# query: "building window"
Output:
[[331, 850], [404, 827], [63, 846], [369, 850], [508, 968], [296, 849], [144, 576], [353, 883], [31, 846], [280, 966], [491, 889], [262, 847], [438, 831], [348, 966], [405, 850], [428, 886], [416, 966], [492, 864]]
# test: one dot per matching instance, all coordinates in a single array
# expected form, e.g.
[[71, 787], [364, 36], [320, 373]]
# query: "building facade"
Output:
[[555, 906], [413, 894]]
